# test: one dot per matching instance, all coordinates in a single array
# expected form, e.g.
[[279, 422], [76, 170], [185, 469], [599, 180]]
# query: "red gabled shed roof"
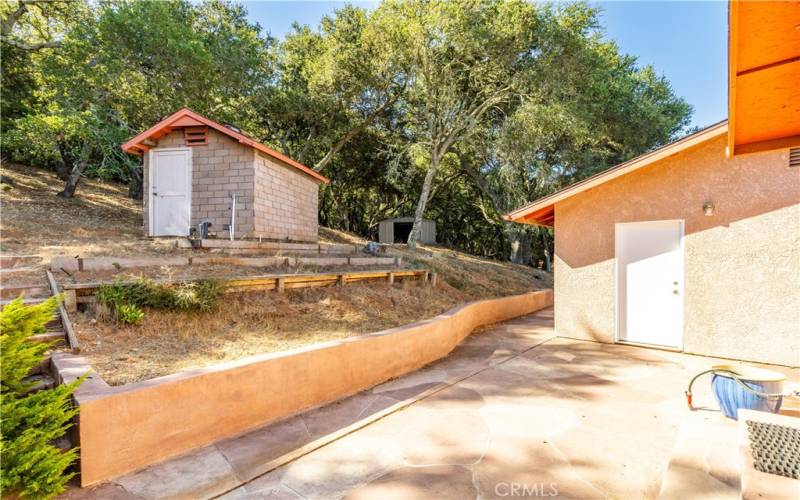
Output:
[[185, 117]]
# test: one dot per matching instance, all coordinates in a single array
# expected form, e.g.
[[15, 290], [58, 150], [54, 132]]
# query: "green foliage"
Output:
[[31, 465], [125, 298], [511, 99], [118, 68], [129, 314]]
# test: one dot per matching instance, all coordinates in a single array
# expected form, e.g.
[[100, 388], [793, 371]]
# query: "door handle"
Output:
[[155, 194]]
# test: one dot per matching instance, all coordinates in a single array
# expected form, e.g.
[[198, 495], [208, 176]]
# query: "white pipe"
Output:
[[233, 216]]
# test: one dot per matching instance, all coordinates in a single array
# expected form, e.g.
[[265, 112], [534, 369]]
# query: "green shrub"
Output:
[[31, 465], [201, 295], [130, 314]]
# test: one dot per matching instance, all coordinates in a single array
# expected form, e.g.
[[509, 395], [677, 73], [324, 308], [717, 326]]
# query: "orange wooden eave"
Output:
[[763, 76], [185, 117]]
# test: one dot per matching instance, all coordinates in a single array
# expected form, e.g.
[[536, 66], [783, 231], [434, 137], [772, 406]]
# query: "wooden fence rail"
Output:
[[84, 293]]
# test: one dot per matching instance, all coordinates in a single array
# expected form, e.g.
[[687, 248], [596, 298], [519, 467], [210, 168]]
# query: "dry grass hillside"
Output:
[[475, 276], [103, 221], [100, 220]]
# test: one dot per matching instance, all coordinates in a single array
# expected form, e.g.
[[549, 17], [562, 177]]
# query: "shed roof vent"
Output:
[[195, 136], [794, 157]]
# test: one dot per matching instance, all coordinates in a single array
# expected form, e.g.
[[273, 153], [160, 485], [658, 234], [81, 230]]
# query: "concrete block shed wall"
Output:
[[742, 265], [273, 200], [219, 168], [286, 201]]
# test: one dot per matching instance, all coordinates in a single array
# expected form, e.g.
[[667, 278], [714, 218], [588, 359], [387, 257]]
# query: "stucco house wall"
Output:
[[273, 200], [742, 265]]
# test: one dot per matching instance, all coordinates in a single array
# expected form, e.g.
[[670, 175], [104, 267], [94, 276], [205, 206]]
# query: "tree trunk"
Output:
[[136, 187], [548, 261], [77, 170], [416, 229], [519, 239], [62, 170]]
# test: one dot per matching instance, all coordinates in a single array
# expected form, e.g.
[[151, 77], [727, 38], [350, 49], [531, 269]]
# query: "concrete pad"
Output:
[[322, 261], [454, 437], [267, 486], [519, 467], [106, 491], [520, 420], [63, 262], [453, 397], [334, 469], [201, 474], [337, 415], [615, 462], [249, 453], [569, 418], [440, 482], [425, 376], [410, 393]]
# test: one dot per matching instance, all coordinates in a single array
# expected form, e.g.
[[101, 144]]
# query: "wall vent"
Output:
[[195, 136], [794, 157]]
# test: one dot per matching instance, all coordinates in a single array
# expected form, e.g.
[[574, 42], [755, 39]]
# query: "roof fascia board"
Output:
[[186, 112], [620, 170]]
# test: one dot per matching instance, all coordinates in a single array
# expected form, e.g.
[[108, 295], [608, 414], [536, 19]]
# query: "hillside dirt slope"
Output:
[[475, 276], [102, 220]]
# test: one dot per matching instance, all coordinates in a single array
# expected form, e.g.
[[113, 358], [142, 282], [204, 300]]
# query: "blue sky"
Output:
[[686, 41]]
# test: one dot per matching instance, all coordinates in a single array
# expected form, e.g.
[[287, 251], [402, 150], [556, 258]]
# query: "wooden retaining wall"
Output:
[[85, 293], [71, 264]]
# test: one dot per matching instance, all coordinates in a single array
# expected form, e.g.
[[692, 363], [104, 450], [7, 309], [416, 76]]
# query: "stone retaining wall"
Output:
[[126, 428]]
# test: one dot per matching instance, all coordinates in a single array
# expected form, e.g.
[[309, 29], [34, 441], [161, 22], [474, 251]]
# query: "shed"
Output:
[[682, 248], [197, 170], [397, 230]]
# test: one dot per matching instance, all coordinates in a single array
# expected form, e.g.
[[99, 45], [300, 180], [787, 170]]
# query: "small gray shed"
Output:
[[397, 230]]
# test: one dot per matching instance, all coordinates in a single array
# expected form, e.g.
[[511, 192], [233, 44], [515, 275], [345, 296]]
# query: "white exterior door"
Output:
[[170, 192], [650, 283]]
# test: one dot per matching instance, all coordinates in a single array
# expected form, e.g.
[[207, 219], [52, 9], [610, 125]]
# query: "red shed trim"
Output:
[[185, 117]]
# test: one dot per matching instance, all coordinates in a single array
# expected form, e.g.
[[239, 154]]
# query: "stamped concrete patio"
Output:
[[515, 411]]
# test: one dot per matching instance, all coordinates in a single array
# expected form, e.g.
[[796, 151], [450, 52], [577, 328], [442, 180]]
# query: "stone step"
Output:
[[25, 300], [56, 336], [14, 261], [42, 368], [13, 270], [41, 382], [27, 291]]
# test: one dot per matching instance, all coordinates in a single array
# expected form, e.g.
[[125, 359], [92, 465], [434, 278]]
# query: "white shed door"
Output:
[[170, 192], [650, 282]]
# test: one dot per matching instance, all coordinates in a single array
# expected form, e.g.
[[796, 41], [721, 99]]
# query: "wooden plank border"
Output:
[[84, 292], [72, 339]]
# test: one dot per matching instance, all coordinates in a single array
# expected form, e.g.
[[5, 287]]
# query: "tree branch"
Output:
[[36, 46]]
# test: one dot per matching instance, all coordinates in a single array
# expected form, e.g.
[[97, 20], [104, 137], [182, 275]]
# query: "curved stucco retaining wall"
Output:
[[125, 428]]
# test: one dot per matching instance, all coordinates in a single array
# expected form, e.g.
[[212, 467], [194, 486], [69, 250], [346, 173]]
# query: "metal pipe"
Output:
[[232, 227]]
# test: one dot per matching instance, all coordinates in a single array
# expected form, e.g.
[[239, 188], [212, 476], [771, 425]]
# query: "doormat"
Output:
[[776, 448]]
